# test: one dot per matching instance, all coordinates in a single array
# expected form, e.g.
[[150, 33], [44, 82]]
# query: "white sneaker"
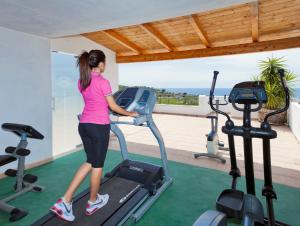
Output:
[[92, 207], [63, 210]]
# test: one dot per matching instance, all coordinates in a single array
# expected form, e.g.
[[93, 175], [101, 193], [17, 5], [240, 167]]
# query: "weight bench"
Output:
[[24, 182]]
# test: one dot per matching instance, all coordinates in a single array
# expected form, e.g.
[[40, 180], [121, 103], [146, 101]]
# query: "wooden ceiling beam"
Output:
[[154, 33], [267, 36], [254, 21], [194, 21], [216, 51], [123, 41]]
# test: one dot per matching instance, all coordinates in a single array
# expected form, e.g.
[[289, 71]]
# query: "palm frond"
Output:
[[269, 74]]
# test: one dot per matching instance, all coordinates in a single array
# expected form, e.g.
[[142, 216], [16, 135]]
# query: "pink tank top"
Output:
[[96, 108]]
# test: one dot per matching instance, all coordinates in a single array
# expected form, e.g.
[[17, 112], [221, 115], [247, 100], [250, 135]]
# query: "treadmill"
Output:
[[133, 186]]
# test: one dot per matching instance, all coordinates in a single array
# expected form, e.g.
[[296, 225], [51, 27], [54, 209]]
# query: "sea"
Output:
[[218, 91]]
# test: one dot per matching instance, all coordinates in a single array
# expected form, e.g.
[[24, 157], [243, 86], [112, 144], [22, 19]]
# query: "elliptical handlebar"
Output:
[[225, 101], [287, 96], [260, 104], [211, 96]]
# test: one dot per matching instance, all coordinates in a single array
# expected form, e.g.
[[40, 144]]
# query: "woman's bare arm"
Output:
[[116, 108]]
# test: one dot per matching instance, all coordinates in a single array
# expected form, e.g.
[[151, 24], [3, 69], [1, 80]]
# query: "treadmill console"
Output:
[[139, 99]]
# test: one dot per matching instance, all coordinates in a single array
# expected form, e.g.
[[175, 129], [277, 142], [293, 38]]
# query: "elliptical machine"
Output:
[[213, 144], [233, 203]]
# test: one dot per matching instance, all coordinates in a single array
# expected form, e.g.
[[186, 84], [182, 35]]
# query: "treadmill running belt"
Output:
[[117, 188]]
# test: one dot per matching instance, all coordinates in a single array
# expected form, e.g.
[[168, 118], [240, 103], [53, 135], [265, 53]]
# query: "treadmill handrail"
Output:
[[152, 126], [137, 121], [145, 117], [127, 123], [162, 149]]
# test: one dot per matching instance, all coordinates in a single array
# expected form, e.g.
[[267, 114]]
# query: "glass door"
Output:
[[67, 103]]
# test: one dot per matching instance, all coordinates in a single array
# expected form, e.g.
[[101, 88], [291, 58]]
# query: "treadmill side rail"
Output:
[[129, 214], [149, 202]]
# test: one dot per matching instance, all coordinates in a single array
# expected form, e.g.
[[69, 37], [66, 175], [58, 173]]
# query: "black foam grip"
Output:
[[23, 152], [10, 149]]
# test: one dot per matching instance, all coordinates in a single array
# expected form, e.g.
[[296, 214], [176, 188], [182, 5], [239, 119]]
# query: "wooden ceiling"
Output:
[[256, 26]]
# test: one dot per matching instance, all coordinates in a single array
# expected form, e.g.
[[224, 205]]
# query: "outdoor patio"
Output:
[[185, 135]]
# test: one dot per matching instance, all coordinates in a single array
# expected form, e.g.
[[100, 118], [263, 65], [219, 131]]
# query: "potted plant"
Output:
[[276, 96]]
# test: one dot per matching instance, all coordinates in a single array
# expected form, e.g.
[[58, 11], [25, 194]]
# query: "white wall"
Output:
[[77, 44], [178, 109], [26, 89], [65, 122], [202, 109], [294, 119]]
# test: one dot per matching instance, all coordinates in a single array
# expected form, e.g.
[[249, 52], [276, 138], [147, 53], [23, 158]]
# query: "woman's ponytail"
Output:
[[87, 61], [84, 70]]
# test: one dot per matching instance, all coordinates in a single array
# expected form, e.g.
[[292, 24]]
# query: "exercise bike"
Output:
[[213, 144], [233, 203]]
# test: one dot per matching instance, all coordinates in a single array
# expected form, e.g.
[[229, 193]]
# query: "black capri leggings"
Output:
[[95, 139]]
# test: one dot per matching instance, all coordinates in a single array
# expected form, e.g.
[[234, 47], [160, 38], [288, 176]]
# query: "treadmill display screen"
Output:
[[124, 102], [144, 98], [126, 97]]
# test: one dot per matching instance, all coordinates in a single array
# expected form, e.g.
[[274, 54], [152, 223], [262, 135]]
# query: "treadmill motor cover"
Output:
[[150, 176]]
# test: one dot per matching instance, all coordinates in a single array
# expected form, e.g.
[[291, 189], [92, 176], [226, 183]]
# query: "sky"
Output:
[[198, 72]]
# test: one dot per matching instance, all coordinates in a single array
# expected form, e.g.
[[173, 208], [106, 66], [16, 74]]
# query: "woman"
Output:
[[94, 129]]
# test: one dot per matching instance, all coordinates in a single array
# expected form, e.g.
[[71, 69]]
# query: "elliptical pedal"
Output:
[[231, 202]]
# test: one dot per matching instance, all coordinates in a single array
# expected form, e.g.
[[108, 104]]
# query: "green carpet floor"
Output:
[[194, 190]]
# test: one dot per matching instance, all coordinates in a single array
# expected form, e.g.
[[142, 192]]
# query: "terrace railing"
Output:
[[178, 99]]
